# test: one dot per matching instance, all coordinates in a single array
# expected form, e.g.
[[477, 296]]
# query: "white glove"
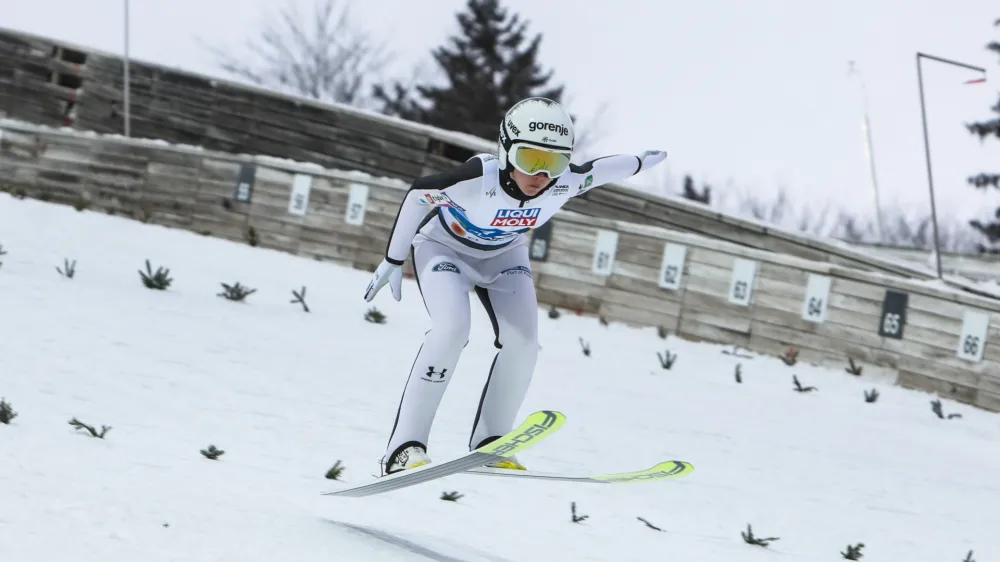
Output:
[[386, 273]]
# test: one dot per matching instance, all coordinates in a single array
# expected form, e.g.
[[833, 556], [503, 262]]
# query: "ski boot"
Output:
[[408, 455]]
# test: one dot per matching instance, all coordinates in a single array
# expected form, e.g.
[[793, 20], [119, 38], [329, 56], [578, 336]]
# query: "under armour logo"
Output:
[[431, 372]]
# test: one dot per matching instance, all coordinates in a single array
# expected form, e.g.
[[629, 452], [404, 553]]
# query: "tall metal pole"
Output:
[[869, 151], [927, 147], [126, 79]]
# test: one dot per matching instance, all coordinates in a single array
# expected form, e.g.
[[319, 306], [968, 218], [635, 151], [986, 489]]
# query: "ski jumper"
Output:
[[465, 229]]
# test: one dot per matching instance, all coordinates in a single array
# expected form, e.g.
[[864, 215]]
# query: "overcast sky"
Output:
[[754, 94]]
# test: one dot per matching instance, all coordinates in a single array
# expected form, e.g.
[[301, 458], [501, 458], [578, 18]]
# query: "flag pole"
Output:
[[866, 129]]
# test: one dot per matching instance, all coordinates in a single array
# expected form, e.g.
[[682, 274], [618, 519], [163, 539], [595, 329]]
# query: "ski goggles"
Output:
[[531, 160]]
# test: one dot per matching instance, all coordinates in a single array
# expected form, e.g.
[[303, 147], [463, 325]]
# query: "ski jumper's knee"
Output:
[[450, 331]]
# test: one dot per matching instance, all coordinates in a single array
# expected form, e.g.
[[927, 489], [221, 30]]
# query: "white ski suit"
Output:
[[465, 229]]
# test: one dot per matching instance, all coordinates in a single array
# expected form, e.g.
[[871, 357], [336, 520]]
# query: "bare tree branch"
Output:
[[323, 56], [589, 131], [900, 228]]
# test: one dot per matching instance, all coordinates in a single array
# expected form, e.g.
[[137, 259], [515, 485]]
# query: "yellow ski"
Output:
[[535, 428], [663, 471]]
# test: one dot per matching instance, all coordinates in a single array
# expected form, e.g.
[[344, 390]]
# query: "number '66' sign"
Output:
[[972, 341]]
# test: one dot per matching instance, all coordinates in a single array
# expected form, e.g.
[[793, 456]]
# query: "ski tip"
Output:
[[662, 471]]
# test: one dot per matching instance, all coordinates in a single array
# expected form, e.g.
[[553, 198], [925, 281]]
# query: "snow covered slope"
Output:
[[286, 394]]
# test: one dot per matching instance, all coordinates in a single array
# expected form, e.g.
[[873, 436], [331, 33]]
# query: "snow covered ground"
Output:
[[286, 394]]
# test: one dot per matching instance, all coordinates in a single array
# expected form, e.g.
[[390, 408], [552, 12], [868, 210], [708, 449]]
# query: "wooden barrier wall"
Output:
[[927, 337], [55, 83]]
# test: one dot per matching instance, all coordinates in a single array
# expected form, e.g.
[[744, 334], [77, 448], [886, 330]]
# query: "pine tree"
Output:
[[984, 129], [489, 66], [690, 192]]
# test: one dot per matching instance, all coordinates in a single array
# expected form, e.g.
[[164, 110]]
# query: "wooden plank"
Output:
[[821, 345], [989, 401], [909, 379], [690, 327], [637, 317], [640, 302], [712, 317], [567, 301]]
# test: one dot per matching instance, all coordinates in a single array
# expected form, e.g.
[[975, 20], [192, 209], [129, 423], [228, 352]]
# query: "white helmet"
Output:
[[536, 136]]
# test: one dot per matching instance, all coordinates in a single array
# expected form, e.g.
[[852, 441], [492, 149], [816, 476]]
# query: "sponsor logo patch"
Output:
[[560, 190], [513, 128], [440, 200], [517, 270], [446, 266], [516, 217], [542, 126]]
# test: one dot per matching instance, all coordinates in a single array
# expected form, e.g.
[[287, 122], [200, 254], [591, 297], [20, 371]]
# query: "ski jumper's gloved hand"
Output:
[[390, 273]]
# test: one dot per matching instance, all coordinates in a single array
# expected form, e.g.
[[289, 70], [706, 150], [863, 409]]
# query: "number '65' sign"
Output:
[[893, 315]]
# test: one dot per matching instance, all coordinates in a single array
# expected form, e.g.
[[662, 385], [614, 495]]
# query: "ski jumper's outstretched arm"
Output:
[[609, 169], [426, 194]]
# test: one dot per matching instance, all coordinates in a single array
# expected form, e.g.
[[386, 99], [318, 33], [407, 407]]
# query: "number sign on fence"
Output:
[[741, 284], [893, 314], [972, 341], [814, 306], [357, 202], [672, 268], [604, 252]]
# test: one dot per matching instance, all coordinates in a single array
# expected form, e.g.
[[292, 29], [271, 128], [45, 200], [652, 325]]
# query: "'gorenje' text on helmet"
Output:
[[536, 136]]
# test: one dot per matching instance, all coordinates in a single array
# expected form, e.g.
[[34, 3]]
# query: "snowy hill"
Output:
[[287, 394]]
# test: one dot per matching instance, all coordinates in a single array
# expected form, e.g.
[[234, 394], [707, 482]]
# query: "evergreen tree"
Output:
[[690, 192], [489, 66], [984, 129]]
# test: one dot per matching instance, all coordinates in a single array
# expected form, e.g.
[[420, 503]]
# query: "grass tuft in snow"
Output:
[[68, 270], [800, 388], [739, 373], [853, 552], [968, 557], [159, 280], [936, 408], [871, 396], [374, 316], [235, 292], [750, 539], [854, 368], [93, 432], [450, 496], [2, 253], [212, 453], [252, 237], [335, 471], [585, 347], [300, 297], [662, 332], [576, 518], [6, 413], [667, 359], [554, 313]]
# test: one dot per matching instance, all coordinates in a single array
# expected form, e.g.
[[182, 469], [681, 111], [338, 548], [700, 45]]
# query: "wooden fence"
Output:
[[975, 267], [927, 337], [55, 83]]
